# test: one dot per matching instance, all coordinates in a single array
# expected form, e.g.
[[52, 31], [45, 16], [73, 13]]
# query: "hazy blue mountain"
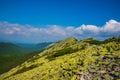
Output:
[[10, 48], [43, 45], [35, 47]]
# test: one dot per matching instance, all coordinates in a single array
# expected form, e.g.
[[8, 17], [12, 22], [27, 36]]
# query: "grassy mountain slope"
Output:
[[70, 60], [12, 55], [9, 61]]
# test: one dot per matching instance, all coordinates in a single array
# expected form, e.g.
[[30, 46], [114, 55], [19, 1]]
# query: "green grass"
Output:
[[70, 59], [9, 61]]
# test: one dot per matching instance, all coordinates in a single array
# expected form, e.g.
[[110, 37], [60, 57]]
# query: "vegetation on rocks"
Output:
[[71, 59]]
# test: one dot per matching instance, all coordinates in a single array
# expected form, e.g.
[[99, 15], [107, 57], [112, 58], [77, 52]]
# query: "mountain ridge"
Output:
[[70, 60]]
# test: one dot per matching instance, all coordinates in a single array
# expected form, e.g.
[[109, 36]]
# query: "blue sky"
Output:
[[45, 14], [59, 12]]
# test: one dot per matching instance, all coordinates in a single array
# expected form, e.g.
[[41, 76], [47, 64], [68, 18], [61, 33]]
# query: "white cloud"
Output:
[[112, 26], [28, 33]]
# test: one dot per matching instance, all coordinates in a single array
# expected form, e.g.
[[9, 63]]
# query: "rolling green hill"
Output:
[[71, 59], [10, 48], [12, 55], [9, 61], [21, 48]]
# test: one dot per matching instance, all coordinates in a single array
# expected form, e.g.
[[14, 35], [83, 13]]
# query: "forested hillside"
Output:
[[12, 55]]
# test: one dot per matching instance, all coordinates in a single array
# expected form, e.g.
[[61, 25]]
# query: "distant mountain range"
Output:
[[21, 48], [71, 59], [10, 48], [12, 55], [35, 47]]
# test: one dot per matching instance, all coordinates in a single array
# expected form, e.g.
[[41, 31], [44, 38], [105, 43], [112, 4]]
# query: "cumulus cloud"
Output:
[[28, 33]]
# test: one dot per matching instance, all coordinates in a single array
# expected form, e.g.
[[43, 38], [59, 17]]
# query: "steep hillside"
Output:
[[9, 61], [12, 55], [71, 59]]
